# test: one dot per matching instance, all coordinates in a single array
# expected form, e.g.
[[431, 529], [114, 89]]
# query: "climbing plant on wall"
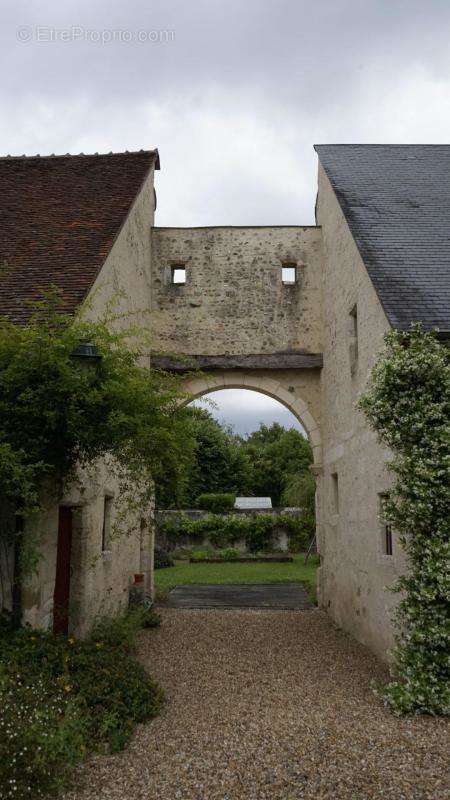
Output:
[[408, 404], [58, 415]]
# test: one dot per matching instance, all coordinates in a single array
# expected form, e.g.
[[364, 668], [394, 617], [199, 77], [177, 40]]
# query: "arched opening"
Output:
[[192, 530], [245, 409], [199, 386]]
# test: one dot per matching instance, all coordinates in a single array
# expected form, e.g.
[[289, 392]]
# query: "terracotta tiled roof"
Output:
[[59, 217]]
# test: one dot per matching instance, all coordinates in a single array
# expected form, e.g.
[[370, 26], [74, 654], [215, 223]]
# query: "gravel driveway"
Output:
[[268, 705]]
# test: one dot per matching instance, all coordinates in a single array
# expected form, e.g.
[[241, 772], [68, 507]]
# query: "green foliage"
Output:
[[276, 455], [257, 530], [408, 404], [162, 558], [57, 414], [42, 737], [300, 491], [60, 698], [217, 503], [185, 572], [227, 554], [265, 464], [201, 555], [121, 631], [217, 465]]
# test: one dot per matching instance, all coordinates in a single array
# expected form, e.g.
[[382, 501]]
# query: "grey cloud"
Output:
[[236, 101], [244, 410]]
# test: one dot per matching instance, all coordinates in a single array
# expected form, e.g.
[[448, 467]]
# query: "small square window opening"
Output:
[[353, 339], [289, 274], [335, 492], [106, 529], [386, 530], [388, 538], [179, 274]]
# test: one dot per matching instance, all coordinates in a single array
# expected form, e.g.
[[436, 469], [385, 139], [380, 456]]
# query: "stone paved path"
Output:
[[268, 705], [265, 595]]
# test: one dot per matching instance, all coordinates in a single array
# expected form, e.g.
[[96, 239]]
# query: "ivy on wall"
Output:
[[57, 414], [257, 530], [408, 404]]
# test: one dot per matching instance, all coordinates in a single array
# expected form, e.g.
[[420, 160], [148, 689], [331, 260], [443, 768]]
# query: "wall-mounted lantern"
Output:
[[86, 353]]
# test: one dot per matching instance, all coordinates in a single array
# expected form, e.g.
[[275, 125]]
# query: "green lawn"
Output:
[[228, 572]]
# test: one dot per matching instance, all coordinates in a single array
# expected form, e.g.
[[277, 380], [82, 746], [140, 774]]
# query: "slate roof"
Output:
[[396, 200], [59, 217]]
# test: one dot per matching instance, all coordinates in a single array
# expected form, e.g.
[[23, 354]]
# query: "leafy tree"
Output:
[[408, 404], [57, 416], [300, 491], [218, 464], [277, 456]]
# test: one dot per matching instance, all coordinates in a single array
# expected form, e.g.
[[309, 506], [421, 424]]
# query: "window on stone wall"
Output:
[[178, 272], [385, 529], [289, 274], [335, 492], [106, 528], [353, 339]]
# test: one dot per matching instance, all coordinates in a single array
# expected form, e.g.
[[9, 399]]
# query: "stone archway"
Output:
[[197, 386]]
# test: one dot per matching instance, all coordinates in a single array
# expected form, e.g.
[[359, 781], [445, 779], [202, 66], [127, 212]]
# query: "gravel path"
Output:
[[268, 705]]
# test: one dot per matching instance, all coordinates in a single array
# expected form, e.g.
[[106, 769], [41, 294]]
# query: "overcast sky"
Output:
[[234, 93], [245, 410]]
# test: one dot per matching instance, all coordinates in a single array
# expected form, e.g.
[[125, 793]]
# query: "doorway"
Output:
[[61, 595]]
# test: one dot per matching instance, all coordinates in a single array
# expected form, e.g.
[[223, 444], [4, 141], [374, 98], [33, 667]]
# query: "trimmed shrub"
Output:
[[217, 503], [162, 558], [201, 555], [228, 554]]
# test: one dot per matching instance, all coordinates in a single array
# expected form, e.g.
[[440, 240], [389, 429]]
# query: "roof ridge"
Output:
[[153, 152], [381, 144]]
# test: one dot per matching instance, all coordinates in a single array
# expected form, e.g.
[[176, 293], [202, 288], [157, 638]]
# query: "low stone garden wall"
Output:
[[174, 518]]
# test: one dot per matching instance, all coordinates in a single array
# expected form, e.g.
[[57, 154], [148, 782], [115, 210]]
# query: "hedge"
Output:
[[217, 503]]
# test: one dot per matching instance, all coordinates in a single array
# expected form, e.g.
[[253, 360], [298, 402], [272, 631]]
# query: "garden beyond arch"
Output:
[[289, 397]]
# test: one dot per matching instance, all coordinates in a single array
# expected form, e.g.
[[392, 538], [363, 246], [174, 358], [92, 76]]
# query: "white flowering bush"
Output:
[[41, 738], [408, 404]]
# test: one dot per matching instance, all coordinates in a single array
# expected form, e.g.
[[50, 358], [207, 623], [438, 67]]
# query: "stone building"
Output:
[[80, 223], [296, 312]]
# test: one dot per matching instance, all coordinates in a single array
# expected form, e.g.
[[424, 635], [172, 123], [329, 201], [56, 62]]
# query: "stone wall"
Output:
[[100, 581], [234, 300], [354, 573], [281, 539]]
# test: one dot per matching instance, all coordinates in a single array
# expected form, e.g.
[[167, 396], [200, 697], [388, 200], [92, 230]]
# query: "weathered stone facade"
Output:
[[234, 300], [267, 335], [354, 573], [234, 303], [100, 579]]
